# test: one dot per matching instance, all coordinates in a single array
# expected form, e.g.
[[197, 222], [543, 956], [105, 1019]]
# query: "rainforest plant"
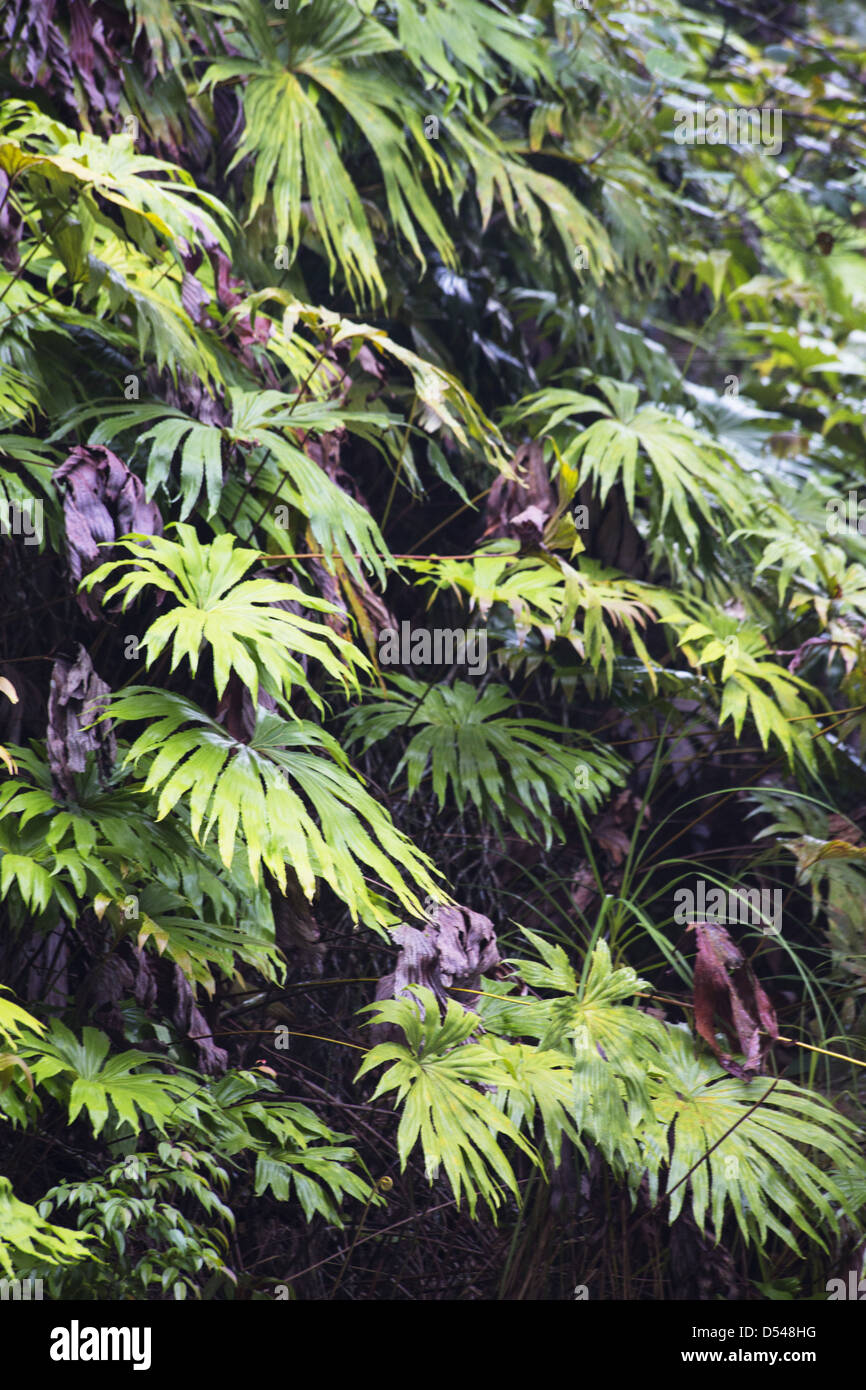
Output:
[[324, 317]]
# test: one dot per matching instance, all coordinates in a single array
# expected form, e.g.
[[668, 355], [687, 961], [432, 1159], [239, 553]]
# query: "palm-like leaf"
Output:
[[269, 430], [18, 395], [24, 1233], [294, 1152], [26, 466], [98, 847], [527, 194], [14, 1020], [505, 764], [152, 196], [651, 452], [167, 921], [545, 596], [289, 792], [443, 399], [542, 1087], [750, 683], [63, 178], [86, 1078], [463, 39], [650, 1100], [436, 1073], [327, 48], [49, 855], [611, 1044], [238, 620], [331, 52], [758, 1149]]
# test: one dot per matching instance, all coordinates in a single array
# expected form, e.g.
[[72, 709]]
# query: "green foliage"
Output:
[[25, 1236], [140, 1237], [747, 1148], [167, 920], [613, 1046], [268, 432], [508, 767], [84, 1078], [246, 633], [750, 684], [289, 792], [606, 409], [435, 1078], [642, 1094], [14, 1020], [683, 474], [546, 595]]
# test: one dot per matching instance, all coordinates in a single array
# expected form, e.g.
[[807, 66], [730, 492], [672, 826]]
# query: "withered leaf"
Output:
[[726, 987], [193, 294], [85, 64], [102, 501], [176, 1000], [187, 393], [522, 507], [841, 827], [121, 974], [76, 698], [296, 930], [10, 227], [613, 830], [452, 951]]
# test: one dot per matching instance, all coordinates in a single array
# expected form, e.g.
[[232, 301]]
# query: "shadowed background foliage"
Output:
[[328, 979]]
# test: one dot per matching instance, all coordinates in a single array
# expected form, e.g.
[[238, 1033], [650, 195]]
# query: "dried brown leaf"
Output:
[[726, 988], [76, 698], [451, 952], [102, 501]]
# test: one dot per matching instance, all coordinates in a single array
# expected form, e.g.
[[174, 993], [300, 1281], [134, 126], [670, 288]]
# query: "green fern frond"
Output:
[[611, 1044], [435, 1074], [655, 456], [757, 1149], [508, 766], [84, 1077], [749, 682], [14, 1020], [545, 596], [289, 793], [461, 35], [27, 1238], [246, 632]]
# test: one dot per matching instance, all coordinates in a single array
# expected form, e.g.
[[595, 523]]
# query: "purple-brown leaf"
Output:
[[726, 988], [102, 501], [76, 698]]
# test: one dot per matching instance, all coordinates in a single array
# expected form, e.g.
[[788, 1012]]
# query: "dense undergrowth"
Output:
[[432, 807]]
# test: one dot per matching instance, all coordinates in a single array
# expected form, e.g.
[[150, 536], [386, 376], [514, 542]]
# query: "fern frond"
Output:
[[238, 619], [289, 793], [757, 1149], [27, 1238], [435, 1074], [508, 766]]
